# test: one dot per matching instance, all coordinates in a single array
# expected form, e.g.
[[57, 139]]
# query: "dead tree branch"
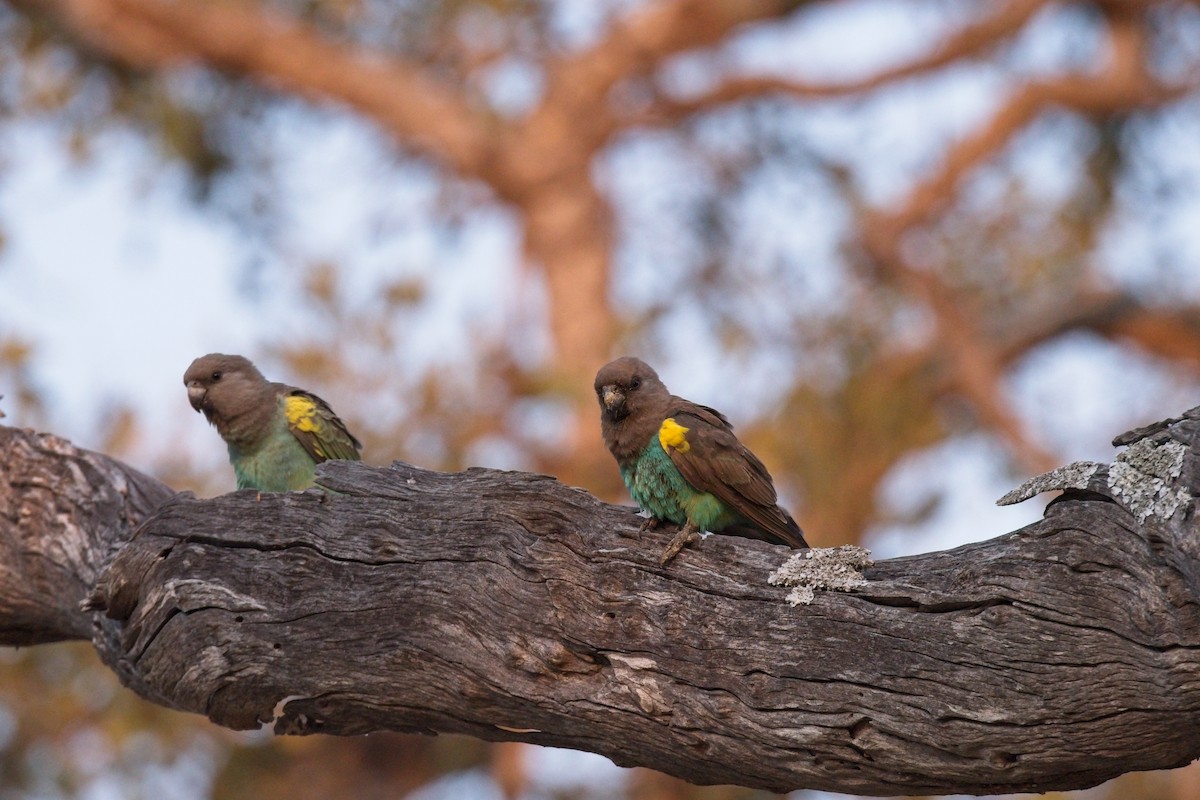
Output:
[[64, 513], [510, 607]]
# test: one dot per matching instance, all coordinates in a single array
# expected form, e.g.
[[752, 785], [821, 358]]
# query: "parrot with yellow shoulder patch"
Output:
[[276, 434], [682, 463]]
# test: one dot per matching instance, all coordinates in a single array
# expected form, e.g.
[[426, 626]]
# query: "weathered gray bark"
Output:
[[64, 512], [508, 606]]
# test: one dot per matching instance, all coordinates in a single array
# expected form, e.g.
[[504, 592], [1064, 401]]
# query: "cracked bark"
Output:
[[510, 607]]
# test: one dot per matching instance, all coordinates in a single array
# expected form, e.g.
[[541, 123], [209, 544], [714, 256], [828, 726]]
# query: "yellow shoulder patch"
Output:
[[672, 434], [301, 413]]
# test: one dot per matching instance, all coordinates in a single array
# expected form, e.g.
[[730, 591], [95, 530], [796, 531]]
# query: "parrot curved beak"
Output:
[[196, 395], [612, 398]]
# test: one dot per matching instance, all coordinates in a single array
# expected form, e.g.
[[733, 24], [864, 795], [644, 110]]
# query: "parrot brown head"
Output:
[[227, 389], [633, 402]]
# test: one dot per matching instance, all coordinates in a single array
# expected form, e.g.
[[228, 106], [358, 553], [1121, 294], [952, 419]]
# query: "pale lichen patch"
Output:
[[1163, 460], [1140, 479], [1072, 476], [837, 569]]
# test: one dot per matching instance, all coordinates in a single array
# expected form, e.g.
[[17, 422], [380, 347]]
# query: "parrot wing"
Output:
[[710, 457], [320, 431]]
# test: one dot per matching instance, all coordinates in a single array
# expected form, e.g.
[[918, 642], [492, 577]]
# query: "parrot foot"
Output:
[[688, 534], [649, 524]]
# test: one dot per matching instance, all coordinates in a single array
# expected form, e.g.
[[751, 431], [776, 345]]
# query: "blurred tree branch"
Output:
[[510, 607], [542, 160], [894, 408], [970, 41], [539, 162], [283, 54], [1124, 86]]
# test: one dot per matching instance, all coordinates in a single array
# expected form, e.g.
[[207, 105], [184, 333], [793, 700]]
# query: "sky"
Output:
[[114, 278]]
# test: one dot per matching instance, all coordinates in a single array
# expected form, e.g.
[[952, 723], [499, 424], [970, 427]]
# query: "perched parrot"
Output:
[[276, 434], [682, 463]]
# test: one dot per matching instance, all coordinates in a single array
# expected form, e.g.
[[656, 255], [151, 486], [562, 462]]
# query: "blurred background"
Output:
[[916, 250]]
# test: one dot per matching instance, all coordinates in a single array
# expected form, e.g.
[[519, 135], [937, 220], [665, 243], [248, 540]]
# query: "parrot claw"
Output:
[[649, 524], [688, 534]]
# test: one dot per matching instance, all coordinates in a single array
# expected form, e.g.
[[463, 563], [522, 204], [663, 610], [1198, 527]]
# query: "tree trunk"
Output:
[[510, 607]]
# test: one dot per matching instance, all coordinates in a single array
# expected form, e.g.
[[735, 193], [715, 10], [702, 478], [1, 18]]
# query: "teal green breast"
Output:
[[657, 486], [279, 464]]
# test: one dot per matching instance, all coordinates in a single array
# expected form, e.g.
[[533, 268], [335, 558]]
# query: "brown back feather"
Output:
[[718, 463]]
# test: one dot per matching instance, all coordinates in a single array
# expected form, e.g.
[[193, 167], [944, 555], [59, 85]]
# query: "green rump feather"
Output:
[[657, 486]]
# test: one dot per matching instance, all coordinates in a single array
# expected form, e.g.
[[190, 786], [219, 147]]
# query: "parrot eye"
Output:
[[216, 376], [635, 383]]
